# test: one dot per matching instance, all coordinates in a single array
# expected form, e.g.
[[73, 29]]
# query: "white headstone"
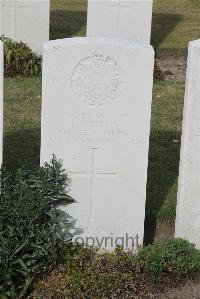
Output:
[[96, 118], [26, 21], [188, 206], [129, 19], [1, 100]]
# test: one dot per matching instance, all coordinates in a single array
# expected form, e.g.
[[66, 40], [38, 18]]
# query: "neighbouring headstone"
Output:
[[129, 19], [1, 100], [96, 117], [188, 206], [26, 21]]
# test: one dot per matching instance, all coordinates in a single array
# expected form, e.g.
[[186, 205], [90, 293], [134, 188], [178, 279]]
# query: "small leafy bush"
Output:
[[19, 59], [177, 258], [31, 232]]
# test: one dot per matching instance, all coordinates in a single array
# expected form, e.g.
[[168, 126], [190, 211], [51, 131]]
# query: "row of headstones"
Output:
[[28, 20], [96, 111]]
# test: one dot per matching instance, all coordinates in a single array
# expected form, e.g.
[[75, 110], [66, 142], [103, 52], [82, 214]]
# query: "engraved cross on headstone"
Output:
[[119, 5], [93, 174], [14, 6]]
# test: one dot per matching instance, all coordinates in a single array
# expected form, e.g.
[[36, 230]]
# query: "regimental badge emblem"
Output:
[[97, 79]]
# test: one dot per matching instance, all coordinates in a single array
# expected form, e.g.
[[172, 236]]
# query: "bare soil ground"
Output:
[[173, 65], [164, 231], [190, 290]]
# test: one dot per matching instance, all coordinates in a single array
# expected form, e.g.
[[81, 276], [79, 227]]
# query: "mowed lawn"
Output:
[[175, 22]]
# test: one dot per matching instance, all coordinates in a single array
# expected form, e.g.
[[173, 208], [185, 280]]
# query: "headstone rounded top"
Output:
[[100, 41]]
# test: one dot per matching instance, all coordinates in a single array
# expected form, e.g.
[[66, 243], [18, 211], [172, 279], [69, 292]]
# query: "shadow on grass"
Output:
[[67, 23], [22, 149], [162, 26], [163, 170]]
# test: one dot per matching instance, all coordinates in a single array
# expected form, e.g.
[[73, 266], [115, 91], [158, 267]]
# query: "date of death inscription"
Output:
[[95, 128]]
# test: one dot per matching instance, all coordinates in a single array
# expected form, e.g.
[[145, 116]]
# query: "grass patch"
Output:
[[164, 149], [68, 18], [22, 122], [175, 23]]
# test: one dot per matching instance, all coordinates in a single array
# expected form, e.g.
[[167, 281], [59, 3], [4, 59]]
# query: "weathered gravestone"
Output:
[[96, 117], [1, 101], [188, 206], [129, 19], [26, 21]]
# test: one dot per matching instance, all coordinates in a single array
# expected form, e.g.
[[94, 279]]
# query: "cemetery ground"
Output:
[[175, 23]]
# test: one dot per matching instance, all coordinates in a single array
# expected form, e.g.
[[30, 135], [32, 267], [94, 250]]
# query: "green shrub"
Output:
[[19, 59], [177, 258], [31, 232]]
